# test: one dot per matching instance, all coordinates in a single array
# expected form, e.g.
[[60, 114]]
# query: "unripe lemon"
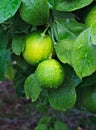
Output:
[[35, 12], [91, 17], [50, 73], [38, 47]]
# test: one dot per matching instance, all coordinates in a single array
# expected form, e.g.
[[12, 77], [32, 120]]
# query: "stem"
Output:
[[45, 30]]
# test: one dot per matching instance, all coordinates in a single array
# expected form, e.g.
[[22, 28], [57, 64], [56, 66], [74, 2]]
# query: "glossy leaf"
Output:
[[32, 87], [71, 5], [51, 3], [64, 50], [60, 126], [8, 8], [65, 26], [84, 55], [18, 44], [64, 98]]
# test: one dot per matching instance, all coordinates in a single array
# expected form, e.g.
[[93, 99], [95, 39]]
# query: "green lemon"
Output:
[[35, 12], [91, 17], [38, 47], [50, 73], [88, 98]]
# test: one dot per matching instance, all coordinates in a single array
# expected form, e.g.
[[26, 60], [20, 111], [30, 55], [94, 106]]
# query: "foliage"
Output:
[[74, 46]]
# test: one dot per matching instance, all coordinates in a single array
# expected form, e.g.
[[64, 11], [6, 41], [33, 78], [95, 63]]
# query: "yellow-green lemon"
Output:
[[35, 12], [50, 73], [38, 47]]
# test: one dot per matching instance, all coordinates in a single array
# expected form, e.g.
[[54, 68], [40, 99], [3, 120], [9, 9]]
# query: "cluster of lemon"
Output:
[[39, 49]]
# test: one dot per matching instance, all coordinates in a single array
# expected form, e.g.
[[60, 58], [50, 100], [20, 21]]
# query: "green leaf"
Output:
[[71, 5], [93, 34], [45, 120], [18, 44], [18, 25], [21, 62], [51, 129], [88, 81], [60, 126], [3, 39], [4, 59], [50, 3], [32, 87], [41, 127], [18, 81], [84, 55], [8, 8], [64, 50], [64, 98], [65, 26], [9, 71]]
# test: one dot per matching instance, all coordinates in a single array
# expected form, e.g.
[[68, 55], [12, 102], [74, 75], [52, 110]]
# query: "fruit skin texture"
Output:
[[37, 48], [88, 99], [35, 12], [91, 17], [50, 73]]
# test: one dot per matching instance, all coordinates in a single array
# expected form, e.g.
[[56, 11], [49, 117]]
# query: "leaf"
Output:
[[71, 5], [4, 59], [65, 26], [18, 81], [60, 126], [84, 55], [41, 127], [32, 87], [88, 81], [64, 98], [93, 34], [64, 50], [3, 39], [8, 8], [9, 71], [21, 62], [18, 44], [51, 129], [50, 3], [45, 120], [18, 25]]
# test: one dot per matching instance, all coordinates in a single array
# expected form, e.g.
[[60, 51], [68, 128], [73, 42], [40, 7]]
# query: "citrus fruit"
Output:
[[35, 12], [88, 98], [50, 73], [37, 47], [91, 17]]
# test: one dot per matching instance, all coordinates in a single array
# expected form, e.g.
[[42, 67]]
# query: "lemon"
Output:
[[91, 17], [50, 73], [35, 12], [37, 47]]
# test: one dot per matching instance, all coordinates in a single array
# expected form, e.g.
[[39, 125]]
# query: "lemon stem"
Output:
[[45, 30]]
